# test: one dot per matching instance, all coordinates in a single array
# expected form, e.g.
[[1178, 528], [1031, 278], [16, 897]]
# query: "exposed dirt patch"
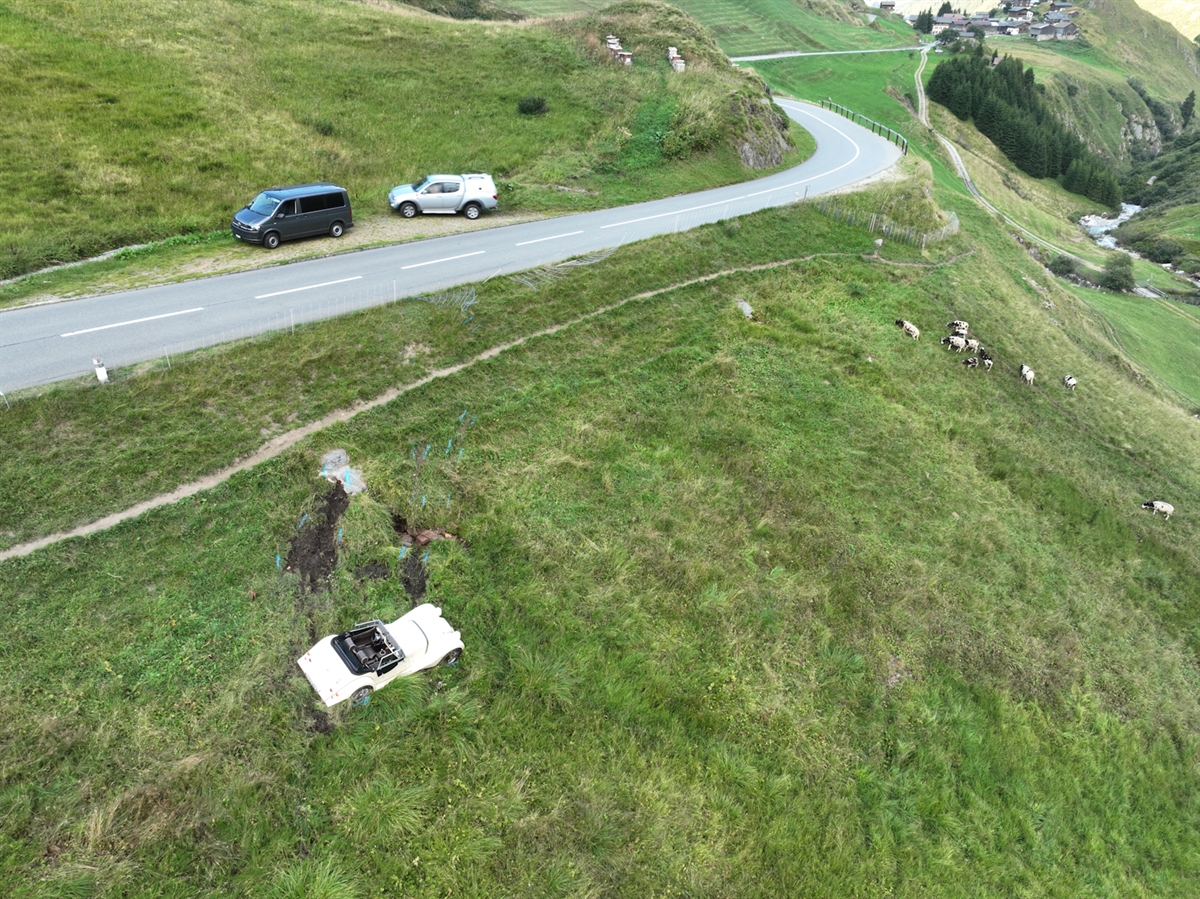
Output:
[[415, 578], [312, 553], [321, 723], [372, 571]]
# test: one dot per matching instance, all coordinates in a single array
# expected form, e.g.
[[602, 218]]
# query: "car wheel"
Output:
[[472, 211], [271, 240], [360, 696], [451, 657], [408, 210], [337, 229]]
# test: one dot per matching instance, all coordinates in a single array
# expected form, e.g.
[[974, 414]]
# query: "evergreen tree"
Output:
[[945, 9], [924, 23], [1188, 107]]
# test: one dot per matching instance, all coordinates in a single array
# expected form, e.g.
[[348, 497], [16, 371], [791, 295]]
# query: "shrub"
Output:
[[1118, 273], [532, 106], [1164, 251], [1062, 265]]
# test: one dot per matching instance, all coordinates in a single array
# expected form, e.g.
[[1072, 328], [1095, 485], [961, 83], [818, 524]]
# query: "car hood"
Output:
[[400, 191], [327, 673], [245, 217]]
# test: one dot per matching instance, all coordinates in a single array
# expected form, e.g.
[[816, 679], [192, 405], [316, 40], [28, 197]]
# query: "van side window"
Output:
[[318, 202], [287, 207]]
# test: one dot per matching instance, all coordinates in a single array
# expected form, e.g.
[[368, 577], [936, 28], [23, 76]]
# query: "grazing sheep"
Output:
[[957, 325], [1069, 382], [1157, 505], [908, 328], [973, 362], [1026, 374], [959, 332], [956, 342], [972, 345], [987, 363]]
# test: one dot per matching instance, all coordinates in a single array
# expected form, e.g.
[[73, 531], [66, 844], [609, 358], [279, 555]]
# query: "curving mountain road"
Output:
[[43, 344]]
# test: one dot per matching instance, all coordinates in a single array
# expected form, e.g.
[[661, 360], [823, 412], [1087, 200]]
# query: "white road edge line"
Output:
[[857, 153], [525, 243], [280, 293], [447, 259], [135, 321]]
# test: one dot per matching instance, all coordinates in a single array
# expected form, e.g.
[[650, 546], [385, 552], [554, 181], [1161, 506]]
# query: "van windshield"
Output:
[[264, 204]]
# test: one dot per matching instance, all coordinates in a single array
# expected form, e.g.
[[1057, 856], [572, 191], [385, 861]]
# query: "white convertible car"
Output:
[[371, 655]]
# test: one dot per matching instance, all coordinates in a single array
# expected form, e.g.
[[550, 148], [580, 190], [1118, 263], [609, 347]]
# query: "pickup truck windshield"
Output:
[[417, 185], [264, 204]]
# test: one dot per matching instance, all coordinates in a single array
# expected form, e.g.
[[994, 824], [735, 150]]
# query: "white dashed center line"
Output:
[[555, 237], [447, 259], [279, 293], [133, 321]]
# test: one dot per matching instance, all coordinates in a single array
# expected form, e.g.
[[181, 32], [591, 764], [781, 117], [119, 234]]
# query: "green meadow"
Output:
[[758, 608], [132, 121], [772, 607]]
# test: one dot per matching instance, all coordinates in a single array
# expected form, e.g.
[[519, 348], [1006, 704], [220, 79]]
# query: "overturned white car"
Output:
[[370, 655]]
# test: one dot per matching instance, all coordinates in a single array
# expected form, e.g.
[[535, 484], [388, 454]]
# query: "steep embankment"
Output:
[[135, 120], [776, 607]]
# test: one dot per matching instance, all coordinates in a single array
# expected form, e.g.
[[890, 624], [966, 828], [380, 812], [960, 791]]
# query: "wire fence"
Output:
[[879, 223], [876, 127]]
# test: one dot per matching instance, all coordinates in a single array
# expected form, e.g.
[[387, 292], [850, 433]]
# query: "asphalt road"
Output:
[[52, 342]]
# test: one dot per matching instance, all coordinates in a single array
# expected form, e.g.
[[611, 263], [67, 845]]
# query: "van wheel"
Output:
[[271, 240], [337, 229], [471, 211], [408, 210]]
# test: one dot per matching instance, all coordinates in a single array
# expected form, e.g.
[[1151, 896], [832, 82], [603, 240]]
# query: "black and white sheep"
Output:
[[972, 345], [1026, 374], [908, 328], [1157, 505], [1069, 382], [956, 342], [973, 362], [957, 325]]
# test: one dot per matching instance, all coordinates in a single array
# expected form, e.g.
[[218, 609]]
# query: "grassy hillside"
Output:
[[134, 120], [749, 27], [1183, 15], [798, 607]]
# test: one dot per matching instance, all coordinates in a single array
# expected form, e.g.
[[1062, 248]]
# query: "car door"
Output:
[[287, 222], [429, 197], [452, 195]]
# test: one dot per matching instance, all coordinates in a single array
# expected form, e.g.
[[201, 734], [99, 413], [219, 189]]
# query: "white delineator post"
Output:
[[101, 371]]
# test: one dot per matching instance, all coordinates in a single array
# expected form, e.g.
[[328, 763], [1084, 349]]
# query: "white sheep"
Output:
[[1069, 382], [987, 363], [908, 328], [973, 345], [956, 342], [1157, 505], [1026, 374]]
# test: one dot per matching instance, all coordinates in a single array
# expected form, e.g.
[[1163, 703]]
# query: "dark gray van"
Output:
[[284, 213]]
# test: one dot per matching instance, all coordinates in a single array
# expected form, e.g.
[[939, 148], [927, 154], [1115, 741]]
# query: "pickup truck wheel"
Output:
[[337, 229], [408, 210], [271, 240], [451, 657], [471, 211], [360, 695]]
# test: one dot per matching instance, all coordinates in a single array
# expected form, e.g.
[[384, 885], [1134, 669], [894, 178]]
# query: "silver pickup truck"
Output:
[[468, 194]]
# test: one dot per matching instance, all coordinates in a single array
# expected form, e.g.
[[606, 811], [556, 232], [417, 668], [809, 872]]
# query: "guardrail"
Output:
[[876, 127]]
